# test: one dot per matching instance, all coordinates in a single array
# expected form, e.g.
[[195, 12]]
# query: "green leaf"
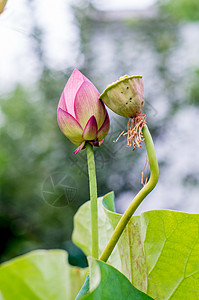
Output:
[[158, 251], [130, 247], [39, 275], [112, 284], [84, 290], [82, 231]]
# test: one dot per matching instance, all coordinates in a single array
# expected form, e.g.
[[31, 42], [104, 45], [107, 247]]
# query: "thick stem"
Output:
[[138, 198], [93, 199]]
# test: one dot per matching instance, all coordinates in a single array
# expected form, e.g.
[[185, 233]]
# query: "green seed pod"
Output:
[[125, 96], [2, 5]]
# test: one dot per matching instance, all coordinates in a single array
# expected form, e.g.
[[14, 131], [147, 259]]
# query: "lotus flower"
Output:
[[125, 96], [81, 115]]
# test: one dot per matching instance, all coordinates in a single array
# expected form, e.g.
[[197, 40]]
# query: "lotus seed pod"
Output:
[[125, 96], [2, 5]]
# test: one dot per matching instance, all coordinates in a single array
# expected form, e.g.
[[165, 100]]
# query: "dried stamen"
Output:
[[119, 136], [134, 131]]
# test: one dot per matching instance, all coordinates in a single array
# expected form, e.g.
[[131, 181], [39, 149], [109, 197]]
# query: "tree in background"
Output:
[[39, 194]]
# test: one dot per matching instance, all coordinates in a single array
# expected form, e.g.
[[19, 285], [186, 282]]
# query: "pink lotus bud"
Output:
[[81, 115], [125, 96]]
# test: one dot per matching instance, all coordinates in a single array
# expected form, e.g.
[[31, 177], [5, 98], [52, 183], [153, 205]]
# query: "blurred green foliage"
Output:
[[181, 10], [33, 149], [194, 90]]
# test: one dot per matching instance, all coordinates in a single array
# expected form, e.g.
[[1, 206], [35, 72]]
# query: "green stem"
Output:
[[93, 199], [138, 198]]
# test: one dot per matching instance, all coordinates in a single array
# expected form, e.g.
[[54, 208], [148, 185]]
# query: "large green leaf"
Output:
[[111, 284], [82, 231], [39, 275], [158, 251]]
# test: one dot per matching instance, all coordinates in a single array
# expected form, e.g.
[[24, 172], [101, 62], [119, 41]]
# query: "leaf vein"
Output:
[[181, 281]]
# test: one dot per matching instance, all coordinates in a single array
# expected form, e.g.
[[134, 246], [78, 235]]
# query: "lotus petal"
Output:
[[87, 103], [62, 102], [80, 147], [103, 131], [90, 130], [72, 86], [100, 142], [69, 126], [96, 143]]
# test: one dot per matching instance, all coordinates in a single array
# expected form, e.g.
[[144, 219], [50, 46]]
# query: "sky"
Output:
[[123, 4], [17, 61]]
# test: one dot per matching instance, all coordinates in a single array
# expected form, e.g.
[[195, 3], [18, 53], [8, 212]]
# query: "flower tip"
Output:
[[100, 142], [79, 148], [76, 70], [77, 74]]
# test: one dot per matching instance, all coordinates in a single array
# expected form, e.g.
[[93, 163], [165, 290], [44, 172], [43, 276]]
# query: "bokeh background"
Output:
[[42, 182]]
